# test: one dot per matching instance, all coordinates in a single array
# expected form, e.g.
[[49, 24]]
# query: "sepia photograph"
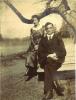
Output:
[[37, 49]]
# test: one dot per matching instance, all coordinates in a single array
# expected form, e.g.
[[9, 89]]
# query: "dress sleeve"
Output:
[[31, 45], [31, 37]]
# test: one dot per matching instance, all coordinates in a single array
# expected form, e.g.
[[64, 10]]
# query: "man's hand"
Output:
[[36, 47], [53, 56]]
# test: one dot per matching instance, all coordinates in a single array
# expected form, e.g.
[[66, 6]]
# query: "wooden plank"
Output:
[[59, 75]]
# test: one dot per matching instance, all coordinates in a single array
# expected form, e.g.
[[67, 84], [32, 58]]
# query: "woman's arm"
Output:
[[31, 37]]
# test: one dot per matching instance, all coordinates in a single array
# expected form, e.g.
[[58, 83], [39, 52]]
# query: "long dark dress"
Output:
[[31, 61]]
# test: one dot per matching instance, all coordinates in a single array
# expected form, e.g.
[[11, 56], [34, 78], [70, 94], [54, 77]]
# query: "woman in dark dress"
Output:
[[31, 60]]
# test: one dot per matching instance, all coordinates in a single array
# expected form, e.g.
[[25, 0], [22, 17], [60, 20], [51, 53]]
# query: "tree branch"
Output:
[[23, 19]]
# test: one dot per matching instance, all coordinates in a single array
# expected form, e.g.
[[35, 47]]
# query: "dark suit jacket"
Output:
[[54, 45]]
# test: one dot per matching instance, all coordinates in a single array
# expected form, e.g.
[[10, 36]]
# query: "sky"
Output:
[[12, 27]]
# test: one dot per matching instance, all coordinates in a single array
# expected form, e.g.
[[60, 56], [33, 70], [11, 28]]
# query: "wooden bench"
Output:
[[59, 75]]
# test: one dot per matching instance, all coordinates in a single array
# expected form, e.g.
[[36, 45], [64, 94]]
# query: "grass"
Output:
[[14, 86]]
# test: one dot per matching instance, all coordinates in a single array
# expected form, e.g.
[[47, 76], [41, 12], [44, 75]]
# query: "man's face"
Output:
[[50, 29], [35, 21]]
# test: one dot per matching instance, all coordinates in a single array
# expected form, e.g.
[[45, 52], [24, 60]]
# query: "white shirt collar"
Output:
[[50, 36]]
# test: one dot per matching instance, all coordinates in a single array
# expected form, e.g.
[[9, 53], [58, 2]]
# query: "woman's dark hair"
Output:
[[48, 23], [36, 16]]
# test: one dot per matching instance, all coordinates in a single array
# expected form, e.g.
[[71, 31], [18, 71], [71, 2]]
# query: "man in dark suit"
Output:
[[51, 54]]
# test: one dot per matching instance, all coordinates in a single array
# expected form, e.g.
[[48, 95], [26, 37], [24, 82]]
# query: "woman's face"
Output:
[[35, 21]]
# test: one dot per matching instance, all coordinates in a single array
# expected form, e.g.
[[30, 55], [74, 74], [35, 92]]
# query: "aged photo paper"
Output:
[[37, 49]]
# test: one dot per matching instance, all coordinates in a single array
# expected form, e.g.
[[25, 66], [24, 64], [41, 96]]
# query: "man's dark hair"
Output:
[[48, 23], [36, 16]]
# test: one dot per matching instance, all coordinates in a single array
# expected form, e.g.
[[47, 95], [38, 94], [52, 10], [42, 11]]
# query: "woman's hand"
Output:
[[36, 47]]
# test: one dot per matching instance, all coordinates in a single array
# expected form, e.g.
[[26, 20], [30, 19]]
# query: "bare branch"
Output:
[[23, 19]]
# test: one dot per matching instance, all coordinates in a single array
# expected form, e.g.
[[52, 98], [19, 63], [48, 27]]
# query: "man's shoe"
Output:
[[59, 92]]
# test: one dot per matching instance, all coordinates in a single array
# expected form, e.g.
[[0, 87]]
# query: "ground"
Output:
[[13, 84]]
